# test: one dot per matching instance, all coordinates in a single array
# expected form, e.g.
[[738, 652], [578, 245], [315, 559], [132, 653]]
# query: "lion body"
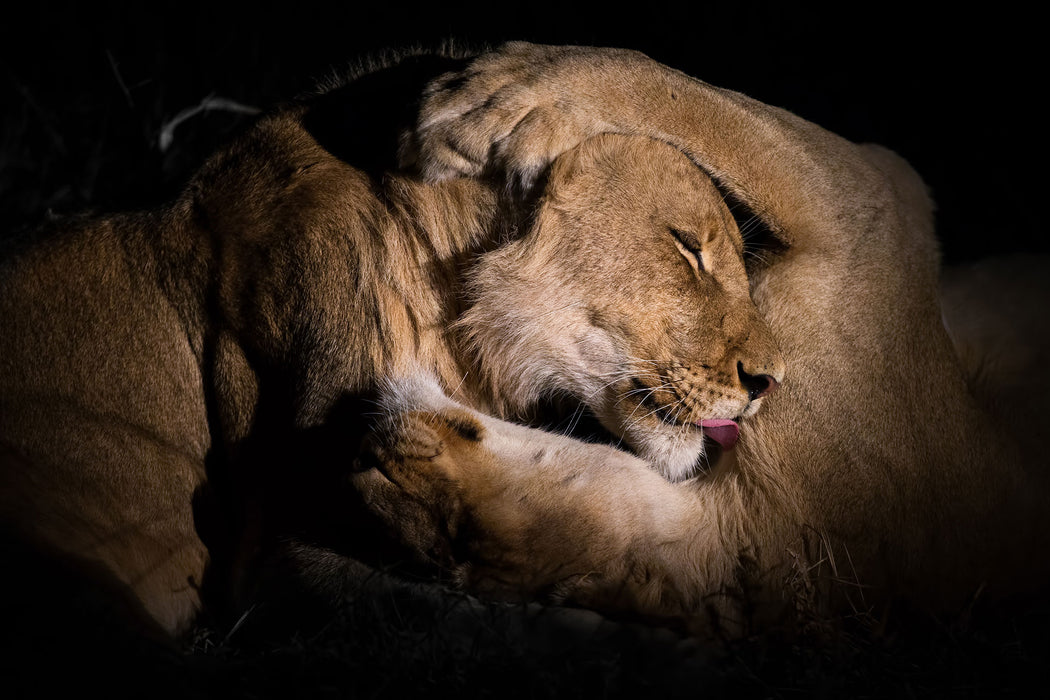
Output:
[[161, 371], [164, 375], [140, 347], [873, 475], [103, 417]]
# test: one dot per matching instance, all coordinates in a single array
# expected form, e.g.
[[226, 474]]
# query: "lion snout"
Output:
[[756, 385]]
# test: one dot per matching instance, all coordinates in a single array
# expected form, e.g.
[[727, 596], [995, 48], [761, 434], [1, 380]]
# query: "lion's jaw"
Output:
[[538, 333], [546, 343]]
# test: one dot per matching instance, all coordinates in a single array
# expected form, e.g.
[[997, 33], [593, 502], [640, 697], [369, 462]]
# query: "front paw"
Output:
[[511, 112], [408, 476]]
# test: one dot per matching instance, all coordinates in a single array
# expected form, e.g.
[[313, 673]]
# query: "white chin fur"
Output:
[[673, 455]]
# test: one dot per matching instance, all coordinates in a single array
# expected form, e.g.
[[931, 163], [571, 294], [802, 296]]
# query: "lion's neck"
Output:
[[441, 230], [508, 337]]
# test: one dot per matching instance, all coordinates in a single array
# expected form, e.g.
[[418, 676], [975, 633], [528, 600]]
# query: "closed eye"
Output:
[[689, 248]]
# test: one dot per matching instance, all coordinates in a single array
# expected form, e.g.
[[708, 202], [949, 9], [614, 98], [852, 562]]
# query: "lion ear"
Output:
[[578, 174], [562, 173]]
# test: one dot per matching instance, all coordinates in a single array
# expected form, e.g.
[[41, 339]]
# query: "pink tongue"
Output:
[[723, 431]]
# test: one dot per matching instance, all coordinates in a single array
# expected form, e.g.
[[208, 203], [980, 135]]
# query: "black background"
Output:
[[86, 87]]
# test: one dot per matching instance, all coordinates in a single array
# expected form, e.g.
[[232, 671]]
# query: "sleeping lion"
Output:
[[184, 387], [872, 475]]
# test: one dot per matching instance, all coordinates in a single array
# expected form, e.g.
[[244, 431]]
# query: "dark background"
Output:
[[86, 87]]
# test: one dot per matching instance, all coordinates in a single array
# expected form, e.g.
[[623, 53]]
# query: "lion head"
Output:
[[628, 293]]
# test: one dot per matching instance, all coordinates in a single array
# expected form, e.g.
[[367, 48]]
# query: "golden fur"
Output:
[[873, 464], [169, 377]]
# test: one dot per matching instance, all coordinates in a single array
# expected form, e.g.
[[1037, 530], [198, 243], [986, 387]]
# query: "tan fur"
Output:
[[158, 368], [601, 302], [875, 456]]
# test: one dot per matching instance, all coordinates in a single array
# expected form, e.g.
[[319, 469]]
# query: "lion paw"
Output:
[[404, 438], [414, 447], [512, 111], [409, 474]]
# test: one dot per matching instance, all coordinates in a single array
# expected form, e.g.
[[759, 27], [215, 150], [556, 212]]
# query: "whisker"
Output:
[[570, 424], [680, 406], [628, 424], [621, 374], [641, 418], [649, 391], [608, 384]]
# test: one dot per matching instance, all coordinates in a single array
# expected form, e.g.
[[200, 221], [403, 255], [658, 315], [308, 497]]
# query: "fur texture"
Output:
[[874, 464], [182, 388]]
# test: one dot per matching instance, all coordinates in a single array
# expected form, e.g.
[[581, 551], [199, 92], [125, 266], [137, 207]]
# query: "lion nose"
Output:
[[757, 385]]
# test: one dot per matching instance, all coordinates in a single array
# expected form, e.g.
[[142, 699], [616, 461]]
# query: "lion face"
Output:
[[630, 294]]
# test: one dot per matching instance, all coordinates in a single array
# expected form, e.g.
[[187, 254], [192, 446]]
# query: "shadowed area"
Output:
[[90, 88]]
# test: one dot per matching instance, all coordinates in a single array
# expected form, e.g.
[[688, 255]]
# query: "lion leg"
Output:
[[511, 510], [519, 107]]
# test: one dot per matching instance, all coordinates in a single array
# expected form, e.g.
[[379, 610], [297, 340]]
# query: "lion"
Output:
[[180, 386], [873, 476]]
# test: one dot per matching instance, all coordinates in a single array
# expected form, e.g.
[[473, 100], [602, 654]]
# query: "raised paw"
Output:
[[513, 111]]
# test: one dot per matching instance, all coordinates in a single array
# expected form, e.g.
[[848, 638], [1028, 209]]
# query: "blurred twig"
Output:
[[120, 79], [208, 104]]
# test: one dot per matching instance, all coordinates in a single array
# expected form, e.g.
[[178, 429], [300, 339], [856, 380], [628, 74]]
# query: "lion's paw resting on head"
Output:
[[181, 388]]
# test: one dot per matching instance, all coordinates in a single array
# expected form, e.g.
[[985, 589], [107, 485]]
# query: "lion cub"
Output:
[[629, 293]]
